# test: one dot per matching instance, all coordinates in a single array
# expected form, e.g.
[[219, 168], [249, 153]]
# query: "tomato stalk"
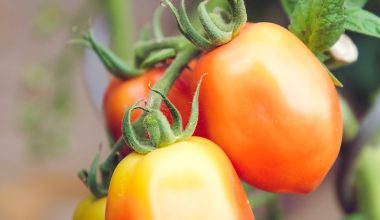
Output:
[[120, 16], [145, 49], [171, 74]]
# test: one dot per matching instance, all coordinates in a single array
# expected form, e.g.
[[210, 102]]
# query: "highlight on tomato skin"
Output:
[[272, 107], [191, 179]]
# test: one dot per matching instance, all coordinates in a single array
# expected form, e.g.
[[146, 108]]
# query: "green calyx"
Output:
[[161, 133], [220, 26]]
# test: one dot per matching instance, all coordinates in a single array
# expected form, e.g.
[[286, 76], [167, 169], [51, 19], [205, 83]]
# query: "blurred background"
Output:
[[50, 121]]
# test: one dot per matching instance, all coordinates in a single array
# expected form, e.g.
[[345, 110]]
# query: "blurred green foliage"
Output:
[[48, 86], [49, 18]]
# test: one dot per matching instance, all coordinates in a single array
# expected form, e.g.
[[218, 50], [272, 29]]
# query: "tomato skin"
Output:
[[192, 179], [272, 107], [120, 95], [91, 208]]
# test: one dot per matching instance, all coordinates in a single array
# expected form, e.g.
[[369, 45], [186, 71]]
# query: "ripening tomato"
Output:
[[120, 95], [188, 180], [272, 107], [91, 208]]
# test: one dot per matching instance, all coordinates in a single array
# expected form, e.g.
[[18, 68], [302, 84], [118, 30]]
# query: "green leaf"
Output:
[[362, 21], [355, 3], [289, 6], [318, 23]]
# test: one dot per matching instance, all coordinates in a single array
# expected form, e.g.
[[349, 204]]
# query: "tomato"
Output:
[[91, 208], [120, 95], [191, 179], [272, 107]]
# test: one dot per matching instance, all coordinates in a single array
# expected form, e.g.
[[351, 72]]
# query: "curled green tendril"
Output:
[[214, 33], [219, 26], [239, 17], [222, 18], [186, 28]]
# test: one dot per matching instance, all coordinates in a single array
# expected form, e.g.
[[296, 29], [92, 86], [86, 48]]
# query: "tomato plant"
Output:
[[272, 107], [91, 208], [191, 179]]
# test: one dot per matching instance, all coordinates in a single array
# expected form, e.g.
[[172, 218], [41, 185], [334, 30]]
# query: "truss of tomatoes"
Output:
[[266, 101], [266, 104]]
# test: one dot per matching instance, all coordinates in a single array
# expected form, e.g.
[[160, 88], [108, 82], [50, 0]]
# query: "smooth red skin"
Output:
[[120, 95], [272, 107]]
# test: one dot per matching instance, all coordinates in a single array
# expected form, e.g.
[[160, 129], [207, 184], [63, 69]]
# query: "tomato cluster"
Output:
[[266, 102]]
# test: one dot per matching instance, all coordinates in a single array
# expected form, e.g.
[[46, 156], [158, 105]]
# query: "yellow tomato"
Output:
[[188, 180], [91, 208]]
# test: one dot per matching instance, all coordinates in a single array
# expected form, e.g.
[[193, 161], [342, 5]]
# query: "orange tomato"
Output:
[[272, 107]]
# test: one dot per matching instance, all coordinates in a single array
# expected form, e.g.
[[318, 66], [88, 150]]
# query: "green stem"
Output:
[[182, 59], [157, 57], [144, 48], [108, 165], [120, 15], [157, 31]]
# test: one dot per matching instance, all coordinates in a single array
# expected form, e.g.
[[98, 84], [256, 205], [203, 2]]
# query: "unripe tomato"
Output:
[[188, 180], [272, 107], [91, 208], [121, 94]]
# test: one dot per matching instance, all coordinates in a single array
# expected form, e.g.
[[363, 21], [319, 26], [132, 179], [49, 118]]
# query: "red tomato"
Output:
[[120, 95], [272, 107]]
